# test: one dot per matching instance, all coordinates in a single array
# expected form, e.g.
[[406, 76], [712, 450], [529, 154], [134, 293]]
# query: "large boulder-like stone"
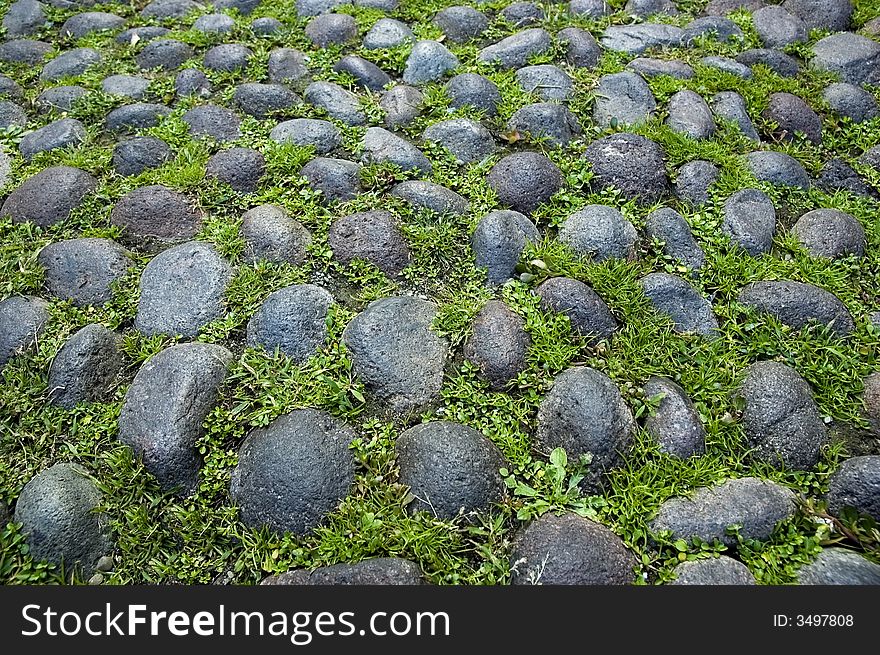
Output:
[[830, 233], [322, 135], [428, 61], [498, 344], [670, 227], [721, 570], [631, 163], [63, 133], [856, 485], [524, 181], [293, 472], [674, 422], [338, 180], [796, 304], [381, 146], [690, 115], [270, 233], [636, 39], [590, 317], [839, 566], [293, 320], [514, 51], [623, 99], [49, 196], [834, 15], [153, 216], [424, 195], [372, 236], [777, 168], [599, 232], [85, 368], [84, 270], [499, 241], [854, 57], [793, 117], [750, 221], [339, 103], [676, 298], [545, 121], [22, 321], [135, 155], [165, 407], [468, 140]]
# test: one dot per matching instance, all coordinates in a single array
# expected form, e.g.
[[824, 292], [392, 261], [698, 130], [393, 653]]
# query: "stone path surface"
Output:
[[312, 292]]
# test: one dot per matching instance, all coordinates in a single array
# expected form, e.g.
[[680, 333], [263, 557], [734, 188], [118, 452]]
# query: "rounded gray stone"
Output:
[[777, 28], [192, 82], [85, 368], [581, 48], [851, 101], [589, 315], [136, 116], [128, 86], [836, 174], [288, 65], [316, 7], [293, 472], [227, 57], [520, 14], [164, 409], [213, 122], [84, 270], [214, 24], [143, 34], [240, 168], [170, 8], [59, 98], [266, 25], [49, 196], [689, 114], [372, 236], [70, 63], [632, 164], [293, 320], [155, 215], [468, 140], [473, 90], [730, 106], [584, 413], [164, 54], [244, 7], [424, 195], [546, 81], [324, 136], [776, 60], [570, 550], [22, 321], [793, 117], [62, 133], [135, 155], [675, 422], [57, 511], [381, 146], [797, 304], [23, 18], [182, 289], [428, 61], [645, 8], [12, 114], [648, 67], [834, 15], [498, 242], [83, 24], [717, 28], [262, 100], [780, 418], [756, 506], [589, 8], [839, 566], [676, 298], [636, 39], [854, 57], [722, 570], [402, 104], [750, 221], [524, 181], [599, 232], [549, 121], [337, 179], [395, 353], [25, 51], [514, 51], [830, 233], [777, 168], [387, 33], [376, 571], [331, 29], [623, 99], [670, 227], [460, 23], [366, 73], [339, 103], [498, 344], [728, 65], [450, 469], [270, 233], [856, 485]]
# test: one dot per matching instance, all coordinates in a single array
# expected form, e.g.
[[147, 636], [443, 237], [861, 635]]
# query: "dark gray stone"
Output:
[[337, 179], [777, 168], [856, 485], [22, 321], [85, 368], [25, 51], [546, 81], [756, 506], [11, 89], [524, 181], [727, 65], [12, 114], [473, 90], [428, 61], [316, 7], [599, 232], [293, 472], [777, 28], [631, 163], [339, 103], [636, 39], [569, 550], [781, 421], [777, 61], [834, 15], [164, 54], [58, 134], [401, 104], [793, 117], [855, 58], [84, 270], [214, 24], [851, 101], [450, 469], [520, 14], [720, 570], [645, 8], [498, 344], [128, 86], [421, 194], [387, 33], [213, 122], [134, 156], [170, 8], [192, 82], [839, 566], [293, 320], [648, 68], [581, 48], [694, 180], [244, 7], [240, 168], [689, 114], [714, 27], [49, 196], [23, 18], [584, 413], [686, 308], [548, 121], [381, 146], [57, 511], [468, 140], [514, 51], [262, 100], [287, 65], [83, 24], [796, 304], [323, 136], [623, 99], [372, 236], [836, 174], [376, 571], [60, 98], [366, 73], [271, 233], [156, 215], [750, 221], [331, 29], [675, 422], [830, 233], [498, 242], [164, 409], [670, 227], [461, 24], [396, 354], [143, 34], [730, 106], [724, 7], [266, 25], [137, 116], [589, 8], [182, 289]]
